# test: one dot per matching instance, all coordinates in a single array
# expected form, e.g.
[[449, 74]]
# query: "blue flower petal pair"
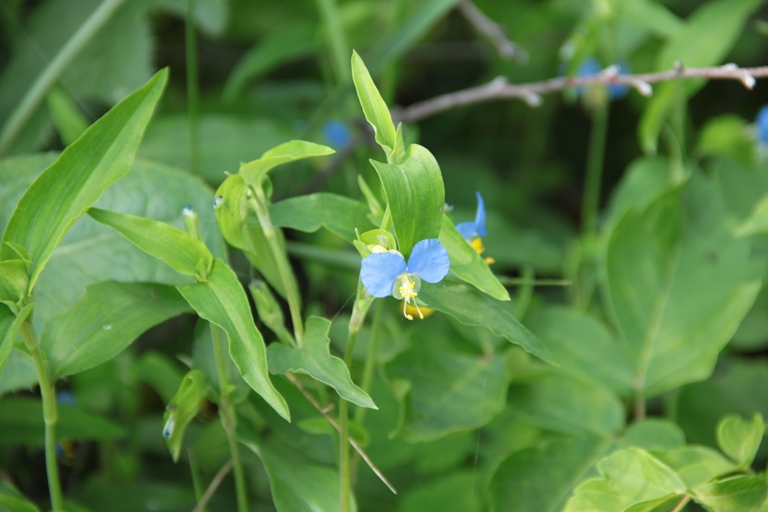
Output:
[[429, 262], [472, 229]]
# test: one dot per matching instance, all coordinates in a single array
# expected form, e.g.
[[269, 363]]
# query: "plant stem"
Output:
[[50, 415], [27, 106], [681, 505], [591, 201], [259, 204], [193, 88], [229, 421], [370, 359], [345, 475], [196, 483]]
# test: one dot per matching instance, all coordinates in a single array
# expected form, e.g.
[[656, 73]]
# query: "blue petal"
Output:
[[480, 216], [618, 91], [467, 229], [380, 271], [762, 125], [429, 260]]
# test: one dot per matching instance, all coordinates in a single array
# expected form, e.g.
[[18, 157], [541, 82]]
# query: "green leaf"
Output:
[[269, 310], [222, 301], [297, 484], [181, 251], [467, 264], [14, 281], [374, 108], [696, 465], [565, 404], [584, 347], [740, 438], [654, 434], [89, 166], [19, 373], [475, 309], [160, 372], [678, 286], [453, 491], [315, 359], [182, 410], [204, 359], [241, 229], [757, 222], [69, 121], [449, 391], [338, 214], [255, 171], [415, 195], [627, 477], [728, 135], [737, 494], [13, 501], [20, 423], [539, 479], [104, 322], [10, 327]]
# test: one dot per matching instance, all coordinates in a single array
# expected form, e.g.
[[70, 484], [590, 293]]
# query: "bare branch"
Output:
[[493, 31], [500, 88], [213, 486], [324, 411]]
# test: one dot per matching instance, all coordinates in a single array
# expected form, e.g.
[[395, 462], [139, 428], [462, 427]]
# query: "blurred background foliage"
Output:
[[272, 71]]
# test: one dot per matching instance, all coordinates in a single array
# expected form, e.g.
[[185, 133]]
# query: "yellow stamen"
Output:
[[405, 305], [489, 260], [477, 245], [407, 289]]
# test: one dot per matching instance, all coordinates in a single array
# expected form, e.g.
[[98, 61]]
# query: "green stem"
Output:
[[229, 421], [27, 106], [197, 484], [525, 294], [345, 475], [50, 415], [370, 360], [259, 205], [591, 201], [193, 88]]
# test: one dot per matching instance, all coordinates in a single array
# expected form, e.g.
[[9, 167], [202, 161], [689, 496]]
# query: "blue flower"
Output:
[[386, 273], [591, 66], [337, 134], [762, 126], [470, 229]]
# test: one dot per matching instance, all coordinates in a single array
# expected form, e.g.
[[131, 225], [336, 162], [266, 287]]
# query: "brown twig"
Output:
[[324, 412], [213, 486], [682, 503], [500, 88], [493, 31]]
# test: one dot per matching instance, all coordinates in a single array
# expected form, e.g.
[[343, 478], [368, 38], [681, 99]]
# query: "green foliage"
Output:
[[182, 409]]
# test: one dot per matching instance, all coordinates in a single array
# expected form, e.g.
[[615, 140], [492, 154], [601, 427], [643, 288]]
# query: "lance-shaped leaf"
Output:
[[467, 264], [70, 186], [9, 330], [315, 359], [696, 465], [415, 195], [104, 322], [740, 438], [13, 501], [374, 108], [269, 310], [184, 253], [222, 301], [182, 410], [338, 214], [473, 308], [678, 286], [737, 494], [241, 229], [627, 478], [254, 172]]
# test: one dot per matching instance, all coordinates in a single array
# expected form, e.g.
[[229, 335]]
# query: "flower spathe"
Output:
[[386, 273]]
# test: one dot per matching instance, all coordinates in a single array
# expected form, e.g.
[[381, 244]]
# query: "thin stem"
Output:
[[523, 281], [591, 201], [259, 204], [229, 420], [370, 359], [493, 32], [345, 474], [50, 415], [215, 483], [682, 503], [639, 408], [193, 88], [194, 470], [27, 106]]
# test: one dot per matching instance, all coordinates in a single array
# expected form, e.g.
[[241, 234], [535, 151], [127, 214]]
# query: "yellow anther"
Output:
[[489, 260], [407, 290], [477, 245]]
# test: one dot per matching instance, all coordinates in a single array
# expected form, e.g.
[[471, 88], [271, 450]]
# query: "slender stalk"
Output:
[[345, 475], [591, 201], [370, 359], [682, 503], [193, 88], [229, 421], [523, 281], [50, 415], [215, 483], [27, 106], [197, 485], [259, 205]]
